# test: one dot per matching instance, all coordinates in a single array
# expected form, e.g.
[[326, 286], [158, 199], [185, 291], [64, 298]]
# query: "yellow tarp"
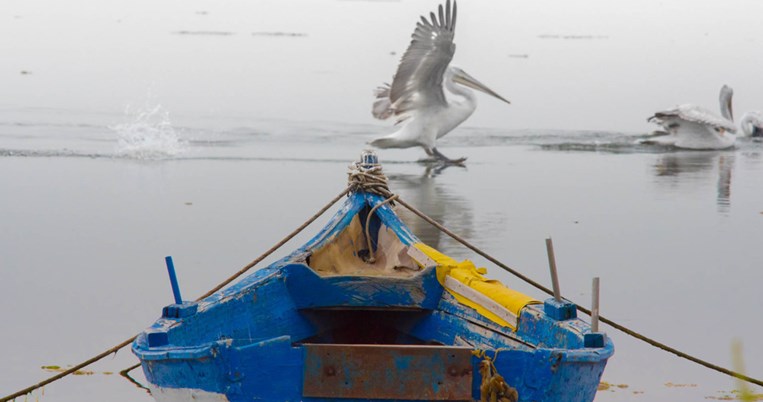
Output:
[[468, 274]]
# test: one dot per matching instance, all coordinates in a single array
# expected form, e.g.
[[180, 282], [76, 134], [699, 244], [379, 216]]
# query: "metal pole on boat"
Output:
[[552, 265], [595, 305], [173, 280]]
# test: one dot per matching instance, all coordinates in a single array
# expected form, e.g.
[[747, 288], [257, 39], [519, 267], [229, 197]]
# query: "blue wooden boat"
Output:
[[335, 321]]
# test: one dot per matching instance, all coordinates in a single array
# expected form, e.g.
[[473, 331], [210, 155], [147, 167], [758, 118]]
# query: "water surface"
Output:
[[134, 130]]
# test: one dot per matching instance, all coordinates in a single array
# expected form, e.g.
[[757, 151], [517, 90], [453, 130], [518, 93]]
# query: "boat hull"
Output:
[[276, 368], [427, 331]]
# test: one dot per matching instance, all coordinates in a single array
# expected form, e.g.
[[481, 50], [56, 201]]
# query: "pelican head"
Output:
[[725, 99], [752, 124], [459, 76]]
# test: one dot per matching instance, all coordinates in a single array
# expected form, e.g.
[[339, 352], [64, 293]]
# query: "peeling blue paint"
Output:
[[247, 342]]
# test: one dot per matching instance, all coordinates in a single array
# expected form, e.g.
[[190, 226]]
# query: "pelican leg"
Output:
[[431, 157], [437, 154]]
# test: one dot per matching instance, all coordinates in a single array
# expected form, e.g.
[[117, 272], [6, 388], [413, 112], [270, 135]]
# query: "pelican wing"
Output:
[[755, 118], [382, 108], [418, 81], [694, 114]]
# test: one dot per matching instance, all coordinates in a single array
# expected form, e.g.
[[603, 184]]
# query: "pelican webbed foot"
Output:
[[445, 160]]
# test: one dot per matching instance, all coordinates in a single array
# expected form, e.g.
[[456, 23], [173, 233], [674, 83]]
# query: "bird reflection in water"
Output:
[[436, 201], [695, 167]]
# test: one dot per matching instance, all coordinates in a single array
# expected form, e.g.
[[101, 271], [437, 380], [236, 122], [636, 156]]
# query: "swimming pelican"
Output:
[[692, 127], [752, 124], [427, 96]]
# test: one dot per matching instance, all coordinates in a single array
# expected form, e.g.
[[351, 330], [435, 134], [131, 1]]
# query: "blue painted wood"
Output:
[[560, 310], [423, 291], [156, 339], [594, 340], [181, 310], [246, 342], [390, 218], [173, 280]]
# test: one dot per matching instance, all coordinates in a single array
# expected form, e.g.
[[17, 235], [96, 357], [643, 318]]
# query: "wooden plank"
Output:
[[489, 304]]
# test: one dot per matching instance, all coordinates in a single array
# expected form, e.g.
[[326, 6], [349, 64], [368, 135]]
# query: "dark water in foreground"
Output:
[[90, 211]]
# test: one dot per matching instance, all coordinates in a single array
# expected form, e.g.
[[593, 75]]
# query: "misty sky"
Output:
[[590, 64]]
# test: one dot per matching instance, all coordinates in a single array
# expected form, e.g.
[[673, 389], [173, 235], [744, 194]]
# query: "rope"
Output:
[[473, 248], [368, 177], [582, 309], [371, 255], [215, 289], [277, 246], [63, 374], [493, 387], [126, 374]]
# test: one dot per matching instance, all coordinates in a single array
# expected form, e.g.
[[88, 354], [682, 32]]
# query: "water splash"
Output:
[[148, 135]]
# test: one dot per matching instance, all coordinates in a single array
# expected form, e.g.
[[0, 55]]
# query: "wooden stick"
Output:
[[580, 308], [552, 265], [595, 305]]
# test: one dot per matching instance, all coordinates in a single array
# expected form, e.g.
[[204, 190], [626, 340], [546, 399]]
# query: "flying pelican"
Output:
[[692, 127], [427, 96], [752, 124]]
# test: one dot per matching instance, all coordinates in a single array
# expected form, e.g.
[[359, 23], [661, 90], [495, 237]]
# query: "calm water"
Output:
[[208, 132]]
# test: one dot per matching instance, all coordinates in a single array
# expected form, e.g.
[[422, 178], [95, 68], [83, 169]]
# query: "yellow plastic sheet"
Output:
[[468, 274]]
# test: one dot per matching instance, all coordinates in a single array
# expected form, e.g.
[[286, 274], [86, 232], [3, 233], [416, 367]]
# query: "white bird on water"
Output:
[[428, 96], [692, 127], [752, 124]]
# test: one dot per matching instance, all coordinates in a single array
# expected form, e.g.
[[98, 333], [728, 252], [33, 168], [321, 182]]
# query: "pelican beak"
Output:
[[465, 79], [731, 110]]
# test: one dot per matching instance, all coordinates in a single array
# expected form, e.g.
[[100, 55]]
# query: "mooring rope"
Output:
[[68, 371], [493, 387], [277, 245], [368, 177], [371, 255], [583, 309], [215, 289]]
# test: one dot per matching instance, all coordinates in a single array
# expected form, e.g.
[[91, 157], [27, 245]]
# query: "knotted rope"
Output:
[[493, 387], [368, 177]]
